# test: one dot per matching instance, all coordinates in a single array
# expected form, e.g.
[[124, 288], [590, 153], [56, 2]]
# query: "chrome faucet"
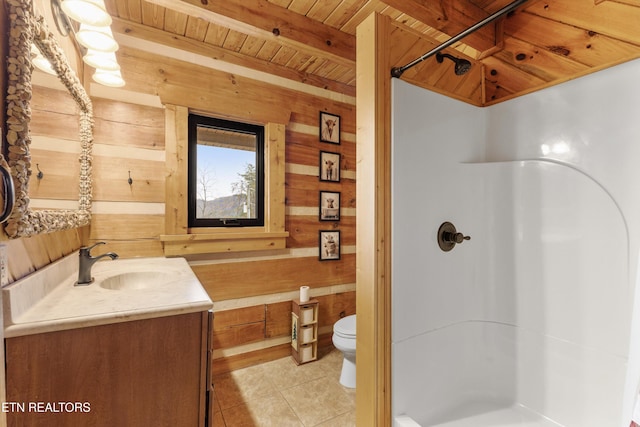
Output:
[[87, 261]]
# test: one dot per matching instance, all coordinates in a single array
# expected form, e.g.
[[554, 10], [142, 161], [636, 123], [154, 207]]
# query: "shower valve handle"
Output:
[[454, 237], [448, 236]]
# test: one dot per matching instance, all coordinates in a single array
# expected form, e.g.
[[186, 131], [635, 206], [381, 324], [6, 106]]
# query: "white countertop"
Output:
[[47, 300]]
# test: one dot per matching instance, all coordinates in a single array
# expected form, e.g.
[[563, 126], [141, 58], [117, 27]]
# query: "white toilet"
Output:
[[344, 339]]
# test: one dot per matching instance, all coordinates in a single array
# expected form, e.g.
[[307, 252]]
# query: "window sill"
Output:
[[237, 241]]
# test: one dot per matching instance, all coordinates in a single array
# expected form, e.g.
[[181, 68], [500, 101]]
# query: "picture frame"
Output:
[[329, 128], [329, 206], [329, 166], [329, 245]]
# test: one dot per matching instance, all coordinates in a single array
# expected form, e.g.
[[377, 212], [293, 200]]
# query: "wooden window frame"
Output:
[[181, 240]]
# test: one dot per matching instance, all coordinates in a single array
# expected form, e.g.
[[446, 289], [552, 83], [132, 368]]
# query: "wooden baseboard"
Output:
[[239, 361], [227, 364]]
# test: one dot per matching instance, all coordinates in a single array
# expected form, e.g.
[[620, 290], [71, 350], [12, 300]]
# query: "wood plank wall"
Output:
[[252, 291]]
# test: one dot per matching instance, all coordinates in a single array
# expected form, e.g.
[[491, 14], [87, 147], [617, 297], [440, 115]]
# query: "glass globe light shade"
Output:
[[97, 38], [108, 78], [101, 60], [92, 12]]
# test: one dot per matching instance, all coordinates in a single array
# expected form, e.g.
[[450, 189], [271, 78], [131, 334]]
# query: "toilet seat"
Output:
[[346, 327]]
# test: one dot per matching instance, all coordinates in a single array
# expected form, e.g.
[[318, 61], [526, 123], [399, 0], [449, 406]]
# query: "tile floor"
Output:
[[283, 394]]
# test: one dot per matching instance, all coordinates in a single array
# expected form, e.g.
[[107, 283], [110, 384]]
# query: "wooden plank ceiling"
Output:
[[313, 41]]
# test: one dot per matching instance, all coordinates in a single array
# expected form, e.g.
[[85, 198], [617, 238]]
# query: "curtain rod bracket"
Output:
[[397, 72]]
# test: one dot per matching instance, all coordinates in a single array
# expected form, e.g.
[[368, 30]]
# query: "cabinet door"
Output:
[[140, 373]]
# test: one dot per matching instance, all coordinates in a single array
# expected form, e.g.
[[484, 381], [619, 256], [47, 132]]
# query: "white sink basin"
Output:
[[135, 280], [123, 290]]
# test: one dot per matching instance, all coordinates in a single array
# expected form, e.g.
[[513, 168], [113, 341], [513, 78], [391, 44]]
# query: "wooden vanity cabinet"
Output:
[[150, 372]]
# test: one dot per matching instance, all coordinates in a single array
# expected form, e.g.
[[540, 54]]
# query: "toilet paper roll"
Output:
[[307, 334], [307, 315], [304, 293], [307, 353]]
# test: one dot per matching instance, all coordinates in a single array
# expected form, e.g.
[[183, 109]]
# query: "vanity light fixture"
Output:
[[101, 60], [108, 78], [92, 12], [97, 38]]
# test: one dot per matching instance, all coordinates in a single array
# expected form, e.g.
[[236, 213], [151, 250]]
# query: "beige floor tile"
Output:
[[243, 385], [285, 373], [331, 364], [281, 393], [270, 411], [319, 400]]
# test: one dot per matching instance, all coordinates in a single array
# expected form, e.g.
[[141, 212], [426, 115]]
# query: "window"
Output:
[[226, 173], [182, 239]]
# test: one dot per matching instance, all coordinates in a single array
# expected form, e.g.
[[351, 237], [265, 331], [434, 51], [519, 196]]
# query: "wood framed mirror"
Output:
[[25, 29]]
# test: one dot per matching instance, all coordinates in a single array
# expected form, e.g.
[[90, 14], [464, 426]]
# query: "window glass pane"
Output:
[[226, 174]]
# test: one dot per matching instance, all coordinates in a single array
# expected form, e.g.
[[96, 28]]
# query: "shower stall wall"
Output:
[[529, 323]]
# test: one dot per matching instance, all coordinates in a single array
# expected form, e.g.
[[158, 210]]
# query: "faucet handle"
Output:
[[87, 249]]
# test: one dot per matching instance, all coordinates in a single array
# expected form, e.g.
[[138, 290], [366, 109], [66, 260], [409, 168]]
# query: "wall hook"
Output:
[[130, 181], [40, 174]]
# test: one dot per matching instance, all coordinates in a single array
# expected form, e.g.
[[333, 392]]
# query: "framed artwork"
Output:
[[329, 206], [329, 166], [329, 128], [329, 243]]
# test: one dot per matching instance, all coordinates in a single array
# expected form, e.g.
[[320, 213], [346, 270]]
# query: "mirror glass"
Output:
[[27, 29]]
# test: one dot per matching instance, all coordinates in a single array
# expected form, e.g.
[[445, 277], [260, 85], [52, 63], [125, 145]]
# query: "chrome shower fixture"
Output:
[[462, 65]]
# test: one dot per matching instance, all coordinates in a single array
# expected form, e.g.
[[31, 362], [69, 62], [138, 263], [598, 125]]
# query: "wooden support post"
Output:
[[373, 229]]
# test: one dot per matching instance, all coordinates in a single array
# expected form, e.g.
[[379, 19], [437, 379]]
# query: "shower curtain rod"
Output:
[[397, 71]]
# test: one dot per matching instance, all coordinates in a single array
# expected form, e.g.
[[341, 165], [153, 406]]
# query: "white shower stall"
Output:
[[534, 320]]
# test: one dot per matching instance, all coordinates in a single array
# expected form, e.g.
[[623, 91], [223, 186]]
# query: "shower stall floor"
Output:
[[483, 415]]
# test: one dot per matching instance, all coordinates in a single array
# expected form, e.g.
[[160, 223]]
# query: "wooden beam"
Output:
[[176, 82], [187, 44], [373, 228], [586, 47], [452, 17], [364, 11], [266, 20], [612, 19]]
